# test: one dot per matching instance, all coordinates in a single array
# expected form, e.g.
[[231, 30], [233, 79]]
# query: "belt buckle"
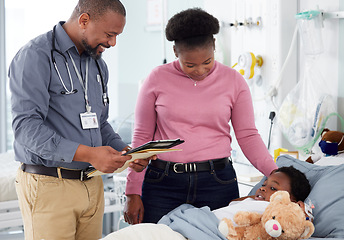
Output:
[[82, 175], [175, 167]]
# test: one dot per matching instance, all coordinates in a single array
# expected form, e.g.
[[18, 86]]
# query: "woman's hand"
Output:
[[133, 209], [138, 165]]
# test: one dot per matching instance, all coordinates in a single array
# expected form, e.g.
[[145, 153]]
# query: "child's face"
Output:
[[276, 181]]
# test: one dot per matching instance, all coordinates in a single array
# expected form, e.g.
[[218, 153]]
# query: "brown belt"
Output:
[[218, 164], [53, 172]]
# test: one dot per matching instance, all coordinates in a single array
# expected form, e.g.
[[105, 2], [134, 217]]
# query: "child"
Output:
[[201, 223], [285, 178]]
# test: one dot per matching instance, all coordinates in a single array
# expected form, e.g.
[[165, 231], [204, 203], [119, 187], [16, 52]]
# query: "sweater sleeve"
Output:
[[145, 124], [247, 134]]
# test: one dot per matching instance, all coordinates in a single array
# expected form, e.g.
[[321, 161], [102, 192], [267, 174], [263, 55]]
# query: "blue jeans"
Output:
[[164, 190]]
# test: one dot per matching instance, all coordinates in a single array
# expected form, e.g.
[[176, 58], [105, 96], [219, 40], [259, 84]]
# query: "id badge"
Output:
[[89, 120]]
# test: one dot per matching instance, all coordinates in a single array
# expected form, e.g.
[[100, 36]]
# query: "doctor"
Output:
[[60, 110]]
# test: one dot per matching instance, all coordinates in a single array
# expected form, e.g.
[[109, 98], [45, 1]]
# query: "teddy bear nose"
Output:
[[275, 227]]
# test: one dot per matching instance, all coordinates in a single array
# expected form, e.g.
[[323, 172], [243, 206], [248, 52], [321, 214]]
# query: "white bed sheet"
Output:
[[149, 231], [145, 231], [9, 169]]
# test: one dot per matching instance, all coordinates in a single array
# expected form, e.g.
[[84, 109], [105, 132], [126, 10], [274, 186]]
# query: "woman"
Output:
[[192, 98]]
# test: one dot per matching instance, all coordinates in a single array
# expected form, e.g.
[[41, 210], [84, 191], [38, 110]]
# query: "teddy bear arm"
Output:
[[309, 229], [256, 231], [247, 218], [226, 227]]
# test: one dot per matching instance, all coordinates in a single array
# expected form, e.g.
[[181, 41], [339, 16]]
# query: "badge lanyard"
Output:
[[88, 119]]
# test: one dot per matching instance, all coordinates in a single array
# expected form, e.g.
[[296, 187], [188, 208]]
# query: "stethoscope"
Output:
[[72, 90]]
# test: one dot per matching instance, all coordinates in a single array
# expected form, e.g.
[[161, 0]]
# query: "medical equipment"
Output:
[[72, 90], [249, 65], [246, 23], [310, 25], [305, 110]]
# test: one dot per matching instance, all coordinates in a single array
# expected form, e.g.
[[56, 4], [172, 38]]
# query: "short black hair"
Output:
[[299, 184], [96, 8], [192, 28]]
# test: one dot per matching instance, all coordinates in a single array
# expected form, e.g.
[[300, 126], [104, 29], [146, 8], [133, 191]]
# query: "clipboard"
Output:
[[159, 144], [144, 151]]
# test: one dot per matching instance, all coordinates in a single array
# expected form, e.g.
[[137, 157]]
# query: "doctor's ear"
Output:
[[84, 19]]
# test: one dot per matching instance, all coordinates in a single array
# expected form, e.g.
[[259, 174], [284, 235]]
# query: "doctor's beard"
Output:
[[93, 52]]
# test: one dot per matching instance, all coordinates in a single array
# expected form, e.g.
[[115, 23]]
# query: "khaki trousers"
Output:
[[60, 209]]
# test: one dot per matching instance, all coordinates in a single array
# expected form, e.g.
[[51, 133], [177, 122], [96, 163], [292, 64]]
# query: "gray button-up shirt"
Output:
[[46, 123]]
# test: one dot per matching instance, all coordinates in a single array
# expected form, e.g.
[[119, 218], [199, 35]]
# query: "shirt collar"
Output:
[[63, 41]]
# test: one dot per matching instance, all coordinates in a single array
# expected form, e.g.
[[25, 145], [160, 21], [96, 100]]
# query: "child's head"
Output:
[[288, 179]]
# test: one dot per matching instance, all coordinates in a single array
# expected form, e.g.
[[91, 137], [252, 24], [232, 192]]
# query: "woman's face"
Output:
[[196, 63]]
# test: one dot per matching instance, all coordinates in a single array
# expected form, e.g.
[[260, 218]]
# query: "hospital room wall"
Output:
[[140, 49], [271, 40], [341, 64], [278, 17]]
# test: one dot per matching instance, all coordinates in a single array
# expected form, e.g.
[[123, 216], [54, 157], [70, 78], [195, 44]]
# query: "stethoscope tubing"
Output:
[[105, 98]]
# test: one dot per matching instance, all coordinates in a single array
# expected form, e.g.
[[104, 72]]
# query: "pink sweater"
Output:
[[169, 106]]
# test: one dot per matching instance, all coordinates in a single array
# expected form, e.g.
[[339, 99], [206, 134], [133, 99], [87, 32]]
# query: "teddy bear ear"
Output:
[[280, 196], [309, 230], [324, 131]]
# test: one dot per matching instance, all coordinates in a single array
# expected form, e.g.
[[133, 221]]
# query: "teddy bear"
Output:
[[331, 144], [282, 219]]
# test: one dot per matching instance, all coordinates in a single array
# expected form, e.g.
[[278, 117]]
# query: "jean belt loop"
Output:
[[167, 168], [211, 163], [192, 167], [230, 159], [59, 173]]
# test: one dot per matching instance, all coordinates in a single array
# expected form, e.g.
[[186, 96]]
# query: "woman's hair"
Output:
[[96, 8], [192, 28], [299, 184]]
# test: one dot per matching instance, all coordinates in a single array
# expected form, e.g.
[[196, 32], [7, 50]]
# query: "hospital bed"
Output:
[[327, 194], [10, 217]]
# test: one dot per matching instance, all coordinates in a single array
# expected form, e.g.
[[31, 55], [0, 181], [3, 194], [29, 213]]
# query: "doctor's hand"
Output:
[[133, 209], [104, 158]]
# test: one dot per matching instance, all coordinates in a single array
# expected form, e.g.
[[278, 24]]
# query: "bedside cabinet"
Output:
[[248, 176]]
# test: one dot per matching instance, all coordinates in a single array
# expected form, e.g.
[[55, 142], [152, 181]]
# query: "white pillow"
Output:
[[331, 160]]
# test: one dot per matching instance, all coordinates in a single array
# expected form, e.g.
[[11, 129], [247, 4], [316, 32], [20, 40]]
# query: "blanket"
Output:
[[193, 223]]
